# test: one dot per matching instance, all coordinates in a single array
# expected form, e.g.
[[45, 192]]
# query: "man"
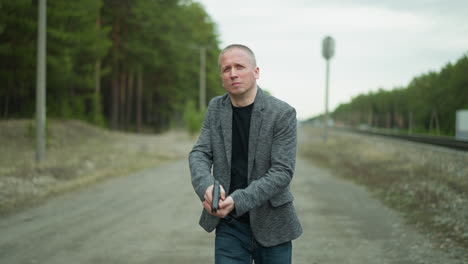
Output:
[[248, 140]]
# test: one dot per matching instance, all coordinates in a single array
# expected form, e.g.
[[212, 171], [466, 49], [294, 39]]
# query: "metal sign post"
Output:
[[41, 83], [202, 92], [328, 50], [202, 73]]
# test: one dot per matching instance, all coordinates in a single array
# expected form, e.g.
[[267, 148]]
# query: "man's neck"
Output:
[[245, 99]]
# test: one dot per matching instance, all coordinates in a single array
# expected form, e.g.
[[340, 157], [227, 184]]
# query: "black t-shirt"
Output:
[[240, 150]]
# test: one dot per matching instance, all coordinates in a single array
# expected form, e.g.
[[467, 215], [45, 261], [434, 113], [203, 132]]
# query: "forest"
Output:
[[134, 65], [129, 65], [428, 104]]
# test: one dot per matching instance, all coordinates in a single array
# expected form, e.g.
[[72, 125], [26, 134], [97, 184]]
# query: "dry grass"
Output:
[[428, 198], [77, 155]]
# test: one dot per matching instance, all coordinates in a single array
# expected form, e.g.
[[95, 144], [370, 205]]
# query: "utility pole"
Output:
[[41, 83], [97, 78], [328, 50], [202, 92]]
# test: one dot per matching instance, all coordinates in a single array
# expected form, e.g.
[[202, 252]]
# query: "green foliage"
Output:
[[164, 40], [193, 118], [17, 55], [114, 41], [428, 97]]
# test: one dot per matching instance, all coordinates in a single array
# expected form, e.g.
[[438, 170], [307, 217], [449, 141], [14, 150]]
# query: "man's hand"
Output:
[[225, 205]]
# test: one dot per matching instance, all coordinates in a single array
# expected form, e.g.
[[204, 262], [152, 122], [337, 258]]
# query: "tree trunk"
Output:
[[97, 77], [115, 76], [389, 120], [138, 100], [370, 117], [7, 98], [149, 109], [5, 108], [434, 122], [410, 123], [97, 91], [123, 97], [129, 99]]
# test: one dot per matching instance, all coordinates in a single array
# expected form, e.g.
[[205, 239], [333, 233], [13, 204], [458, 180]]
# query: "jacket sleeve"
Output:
[[278, 177], [201, 159]]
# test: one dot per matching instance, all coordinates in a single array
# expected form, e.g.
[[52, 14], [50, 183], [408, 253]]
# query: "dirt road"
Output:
[[152, 217]]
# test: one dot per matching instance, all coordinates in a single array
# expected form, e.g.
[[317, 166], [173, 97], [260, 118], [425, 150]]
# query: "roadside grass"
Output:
[[429, 199], [77, 156]]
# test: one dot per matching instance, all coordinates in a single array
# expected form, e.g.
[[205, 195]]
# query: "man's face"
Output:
[[238, 73]]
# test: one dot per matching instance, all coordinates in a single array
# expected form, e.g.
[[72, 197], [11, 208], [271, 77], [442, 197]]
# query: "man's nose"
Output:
[[233, 73]]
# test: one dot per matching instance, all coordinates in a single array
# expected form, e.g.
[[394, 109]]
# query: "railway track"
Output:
[[447, 142]]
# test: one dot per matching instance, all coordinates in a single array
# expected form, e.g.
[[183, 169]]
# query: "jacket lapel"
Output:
[[226, 126], [255, 125]]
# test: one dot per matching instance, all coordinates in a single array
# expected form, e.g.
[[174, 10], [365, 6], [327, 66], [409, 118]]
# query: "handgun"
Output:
[[216, 192]]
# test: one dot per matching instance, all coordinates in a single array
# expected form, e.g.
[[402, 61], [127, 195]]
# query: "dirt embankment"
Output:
[[432, 197], [77, 155]]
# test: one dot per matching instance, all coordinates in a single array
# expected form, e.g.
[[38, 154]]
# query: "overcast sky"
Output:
[[379, 44]]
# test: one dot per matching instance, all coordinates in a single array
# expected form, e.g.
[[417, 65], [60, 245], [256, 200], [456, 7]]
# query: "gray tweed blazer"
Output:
[[271, 162]]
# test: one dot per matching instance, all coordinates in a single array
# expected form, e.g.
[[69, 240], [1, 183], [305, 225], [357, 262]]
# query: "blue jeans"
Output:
[[235, 244]]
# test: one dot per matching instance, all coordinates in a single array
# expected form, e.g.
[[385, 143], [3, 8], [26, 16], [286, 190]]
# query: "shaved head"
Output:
[[241, 47]]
